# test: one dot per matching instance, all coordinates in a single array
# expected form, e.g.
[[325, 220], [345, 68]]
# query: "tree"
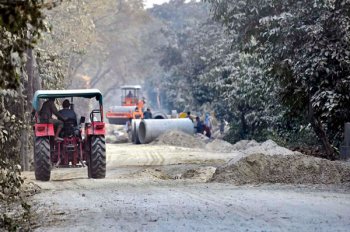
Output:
[[171, 83], [20, 25], [304, 46]]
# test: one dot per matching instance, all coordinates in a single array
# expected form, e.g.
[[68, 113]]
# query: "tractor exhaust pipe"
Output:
[[150, 129]]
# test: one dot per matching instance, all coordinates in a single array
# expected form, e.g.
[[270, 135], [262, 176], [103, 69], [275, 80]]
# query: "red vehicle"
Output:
[[83, 142], [131, 106]]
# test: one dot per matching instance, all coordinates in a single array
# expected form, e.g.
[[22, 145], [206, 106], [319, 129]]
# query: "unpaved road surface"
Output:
[[145, 191]]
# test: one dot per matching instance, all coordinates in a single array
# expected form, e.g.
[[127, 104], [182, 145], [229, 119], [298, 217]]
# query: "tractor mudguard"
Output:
[[95, 128], [44, 129]]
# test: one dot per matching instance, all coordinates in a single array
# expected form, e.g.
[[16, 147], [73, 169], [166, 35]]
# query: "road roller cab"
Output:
[[131, 106], [81, 144]]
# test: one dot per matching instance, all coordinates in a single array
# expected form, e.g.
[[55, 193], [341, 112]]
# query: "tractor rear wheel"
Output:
[[42, 159], [97, 161]]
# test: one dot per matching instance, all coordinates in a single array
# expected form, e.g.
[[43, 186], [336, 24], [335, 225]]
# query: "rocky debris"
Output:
[[112, 129], [120, 138], [116, 134], [15, 212], [29, 188], [286, 169], [179, 138]]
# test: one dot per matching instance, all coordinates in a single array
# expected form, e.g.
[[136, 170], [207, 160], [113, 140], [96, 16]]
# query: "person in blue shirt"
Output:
[[199, 126], [147, 114], [67, 112]]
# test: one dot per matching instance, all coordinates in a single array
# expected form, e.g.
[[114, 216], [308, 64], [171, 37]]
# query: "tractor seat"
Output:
[[70, 128]]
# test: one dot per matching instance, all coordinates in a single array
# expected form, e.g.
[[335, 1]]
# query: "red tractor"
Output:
[[83, 142]]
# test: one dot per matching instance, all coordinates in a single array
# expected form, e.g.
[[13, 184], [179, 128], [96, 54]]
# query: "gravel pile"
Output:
[[219, 145], [150, 173], [268, 147], [180, 139], [203, 174], [287, 169]]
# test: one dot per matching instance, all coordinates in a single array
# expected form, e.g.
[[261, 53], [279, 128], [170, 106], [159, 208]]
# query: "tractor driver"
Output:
[[130, 95], [67, 112], [45, 115]]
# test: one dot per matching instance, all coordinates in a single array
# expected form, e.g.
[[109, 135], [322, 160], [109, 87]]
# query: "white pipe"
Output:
[[159, 115], [150, 129], [134, 131]]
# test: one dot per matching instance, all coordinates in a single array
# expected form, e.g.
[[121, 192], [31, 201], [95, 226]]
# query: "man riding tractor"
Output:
[[45, 115], [68, 111], [67, 145]]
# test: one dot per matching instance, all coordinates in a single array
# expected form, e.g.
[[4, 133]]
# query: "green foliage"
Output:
[[173, 81], [304, 46], [20, 25], [205, 72]]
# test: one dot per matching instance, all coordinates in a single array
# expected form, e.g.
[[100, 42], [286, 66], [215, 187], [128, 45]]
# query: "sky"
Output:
[[149, 3]]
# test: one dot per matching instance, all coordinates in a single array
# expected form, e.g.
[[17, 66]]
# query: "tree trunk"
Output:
[[26, 107], [158, 98], [321, 133], [23, 142], [29, 70], [243, 132]]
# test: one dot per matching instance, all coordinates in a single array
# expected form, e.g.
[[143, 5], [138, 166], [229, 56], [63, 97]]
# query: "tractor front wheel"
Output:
[[42, 159], [97, 160]]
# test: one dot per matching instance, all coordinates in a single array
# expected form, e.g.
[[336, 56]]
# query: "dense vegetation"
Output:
[[279, 70]]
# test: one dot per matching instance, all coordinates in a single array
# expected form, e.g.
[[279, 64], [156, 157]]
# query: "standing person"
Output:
[[208, 125], [130, 95], [208, 121], [222, 126], [147, 114], [199, 126], [189, 115], [45, 115], [207, 131], [127, 127]]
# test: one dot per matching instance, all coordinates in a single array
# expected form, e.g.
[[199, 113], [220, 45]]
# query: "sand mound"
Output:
[[244, 144], [202, 174], [202, 137], [290, 169], [151, 173], [249, 147], [179, 138], [268, 147], [219, 145]]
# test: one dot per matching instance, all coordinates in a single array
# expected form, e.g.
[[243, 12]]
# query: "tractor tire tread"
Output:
[[98, 157], [42, 159]]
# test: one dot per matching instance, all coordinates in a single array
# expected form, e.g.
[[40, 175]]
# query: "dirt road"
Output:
[[146, 190]]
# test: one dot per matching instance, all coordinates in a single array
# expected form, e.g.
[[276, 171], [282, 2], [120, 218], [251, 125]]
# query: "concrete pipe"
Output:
[[134, 131], [150, 129], [159, 115]]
